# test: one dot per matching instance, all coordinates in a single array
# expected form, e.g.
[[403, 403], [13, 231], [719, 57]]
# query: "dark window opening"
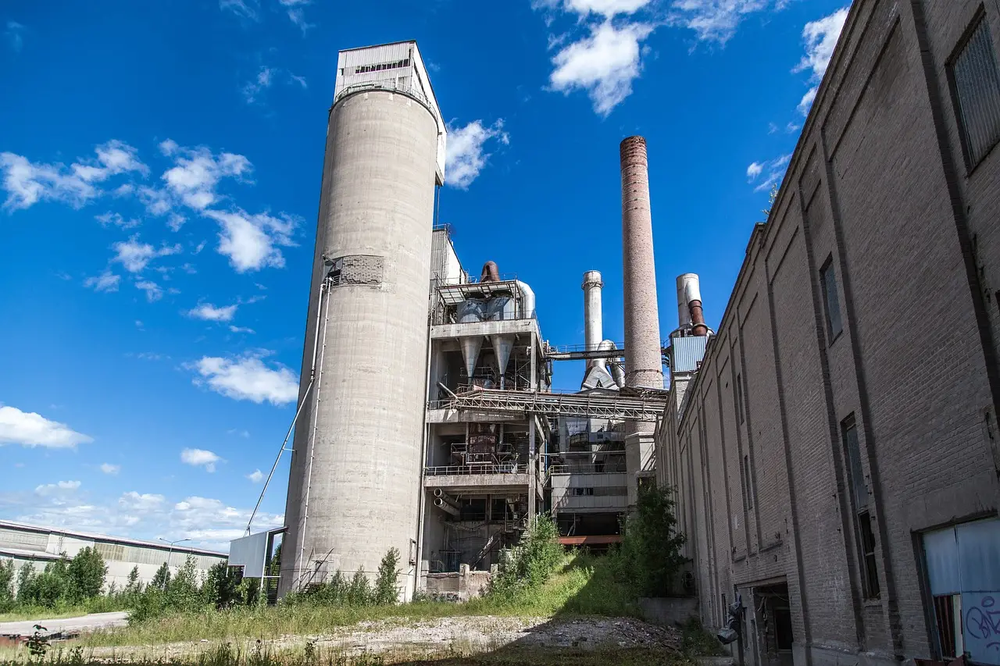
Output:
[[747, 489], [831, 300], [870, 569], [975, 84], [860, 498], [739, 397]]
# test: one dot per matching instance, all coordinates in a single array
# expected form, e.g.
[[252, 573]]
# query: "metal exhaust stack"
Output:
[[643, 365], [689, 310], [592, 316]]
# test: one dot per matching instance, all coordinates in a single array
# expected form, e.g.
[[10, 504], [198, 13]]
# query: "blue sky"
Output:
[[160, 166]]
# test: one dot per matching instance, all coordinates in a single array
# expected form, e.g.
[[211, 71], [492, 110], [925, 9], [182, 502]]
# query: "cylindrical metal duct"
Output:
[[689, 310], [592, 315], [356, 467], [440, 503], [643, 364]]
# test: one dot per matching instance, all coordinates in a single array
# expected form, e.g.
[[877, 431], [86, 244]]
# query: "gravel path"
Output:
[[453, 635]]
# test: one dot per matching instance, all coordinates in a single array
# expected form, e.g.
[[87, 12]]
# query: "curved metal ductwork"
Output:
[[617, 369], [527, 300], [689, 309]]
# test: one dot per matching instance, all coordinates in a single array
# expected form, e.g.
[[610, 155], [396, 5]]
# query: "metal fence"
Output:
[[501, 468]]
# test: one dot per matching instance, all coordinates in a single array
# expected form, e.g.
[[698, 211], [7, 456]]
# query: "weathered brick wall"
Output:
[[868, 189]]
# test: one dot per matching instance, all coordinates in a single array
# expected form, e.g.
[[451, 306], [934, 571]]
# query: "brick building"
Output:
[[836, 453]]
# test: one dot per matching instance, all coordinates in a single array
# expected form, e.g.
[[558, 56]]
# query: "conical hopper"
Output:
[[502, 346], [470, 352]]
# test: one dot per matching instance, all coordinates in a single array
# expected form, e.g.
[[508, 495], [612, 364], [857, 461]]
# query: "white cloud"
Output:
[[775, 170], [117, 220], [465, 157], [606, 8], [153, 290], [197, 172], [806, 103], [263, 81], [200, 458], [248, 378], [243, 8], [301, 80], [207, 522], [108, 468], [241, 329], [168, 147], [27, 183], [14, 33], [50, 488], [113, 157], [209, 312], [716, 20], [820, 39], [250, 240], [176, 221], [31, 429], [604, 64], [157, 202], [256, 476], [296, 14], [135, 256], [140, 502], [106, 281]]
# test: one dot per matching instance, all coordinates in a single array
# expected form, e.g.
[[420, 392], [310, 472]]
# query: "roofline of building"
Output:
[[107, 538]]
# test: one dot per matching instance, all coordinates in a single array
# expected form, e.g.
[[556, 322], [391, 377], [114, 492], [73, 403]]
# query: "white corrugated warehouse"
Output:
[[41, 545]]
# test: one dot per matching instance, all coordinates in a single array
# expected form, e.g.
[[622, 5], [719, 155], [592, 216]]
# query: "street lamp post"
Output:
[[171, 549]]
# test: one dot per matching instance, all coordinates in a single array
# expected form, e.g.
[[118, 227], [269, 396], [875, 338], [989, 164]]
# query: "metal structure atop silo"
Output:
[[356, 467]]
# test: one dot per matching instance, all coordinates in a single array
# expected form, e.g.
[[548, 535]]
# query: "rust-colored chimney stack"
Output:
[[643, 365]]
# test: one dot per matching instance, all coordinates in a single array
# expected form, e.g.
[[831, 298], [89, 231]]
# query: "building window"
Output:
[[831, 300], [747, 487], [975, 84], [739, 396], [861, 499]]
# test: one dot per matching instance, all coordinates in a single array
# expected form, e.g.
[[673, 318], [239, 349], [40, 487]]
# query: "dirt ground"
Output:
[[452, 636]]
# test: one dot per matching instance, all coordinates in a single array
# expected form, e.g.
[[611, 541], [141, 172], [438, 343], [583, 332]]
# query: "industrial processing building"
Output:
[[835, 449], [438, 442], [833, 446], [31, 544]]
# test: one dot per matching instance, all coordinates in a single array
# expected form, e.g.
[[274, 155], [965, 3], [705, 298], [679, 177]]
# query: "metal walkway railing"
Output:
[[647, 406]]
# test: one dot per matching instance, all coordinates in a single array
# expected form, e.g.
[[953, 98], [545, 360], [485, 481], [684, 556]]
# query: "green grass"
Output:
[[581, 586]]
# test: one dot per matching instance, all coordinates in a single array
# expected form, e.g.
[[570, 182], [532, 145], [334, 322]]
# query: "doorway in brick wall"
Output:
[[773, 616]]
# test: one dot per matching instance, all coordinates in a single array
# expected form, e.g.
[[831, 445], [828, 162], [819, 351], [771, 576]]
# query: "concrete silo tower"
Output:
[[355, 475]]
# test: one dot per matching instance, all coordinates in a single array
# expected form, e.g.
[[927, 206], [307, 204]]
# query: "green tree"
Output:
[[25, 581], [387, 581], [360, 591], [7, 575], [649, 558], [182, 591], [133, 586], [85, 575], [222, 586], [161, 579], [50, 586]]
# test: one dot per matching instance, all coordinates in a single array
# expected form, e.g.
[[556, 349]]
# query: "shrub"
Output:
[[222, 586], [161, 578], [529, 564], [649, 557], [387, 581]]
